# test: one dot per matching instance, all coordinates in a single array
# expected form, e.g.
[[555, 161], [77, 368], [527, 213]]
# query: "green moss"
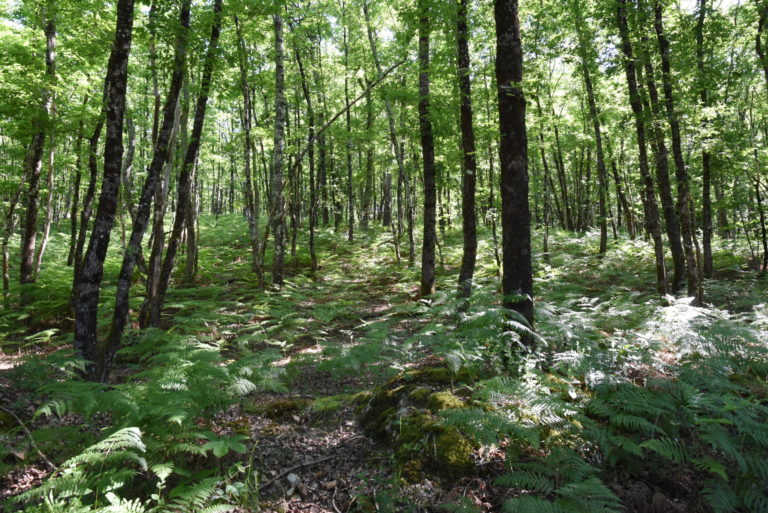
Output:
[[7, 422], [401, 414], [283, 409], [330, 404], [444, 400], [453, 453], [420, 395]]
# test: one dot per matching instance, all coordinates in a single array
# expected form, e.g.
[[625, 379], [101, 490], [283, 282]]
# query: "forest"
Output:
[[370, 256]]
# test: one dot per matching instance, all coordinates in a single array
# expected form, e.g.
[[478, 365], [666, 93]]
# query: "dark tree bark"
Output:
[[517, 280], [89, 280], [154, 266], [685, 213], [386, 201], [706, 155], [33, 168], [469, 175], [427, 286], [649, 196], [184, 183], [34, 162], [278, 206], [141, 219], [90, 193], [10, 226], [661, 154]]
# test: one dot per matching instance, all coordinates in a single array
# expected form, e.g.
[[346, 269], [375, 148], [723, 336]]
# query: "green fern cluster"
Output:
[[153, 446]]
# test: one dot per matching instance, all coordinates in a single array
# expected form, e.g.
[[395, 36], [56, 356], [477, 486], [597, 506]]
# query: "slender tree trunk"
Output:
[[311, 156], [33, 166], [469, 175], [706, 155], [662, 177], [10, 226], [685, 214], [367, 196], [160, 206], [50, 64], [602, 174], [428, 156], [517, 280], [76, 190], [392, 129], [34, 163], [141, 219], [250, 202], [89, 280], [350, 194], [184, 183], [651, 207], [278, 207]]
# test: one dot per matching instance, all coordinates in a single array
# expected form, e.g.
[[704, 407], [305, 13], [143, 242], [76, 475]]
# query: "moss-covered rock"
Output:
[[443, 401], [402, 414]]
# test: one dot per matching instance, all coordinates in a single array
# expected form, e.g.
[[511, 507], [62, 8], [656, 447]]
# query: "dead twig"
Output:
[[31, 438], [291, 469]]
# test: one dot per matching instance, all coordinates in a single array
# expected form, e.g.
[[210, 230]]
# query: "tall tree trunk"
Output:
[[161, 205], [685, 214], [184, 183], [392, 129], [706, 155], [76, 189], [517, 280], [428, 156], [89, 280], [366, 204], [350, 194], [311, 156], [34, 163], [250, 202], [33, 168], [649, 197], [662, 177], [141, 219], [278, 206], [10, 227], [469, 175], [50, 65], [602, 174]]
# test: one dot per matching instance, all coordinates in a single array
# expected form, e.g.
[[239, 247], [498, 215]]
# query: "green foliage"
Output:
[[153, 442]]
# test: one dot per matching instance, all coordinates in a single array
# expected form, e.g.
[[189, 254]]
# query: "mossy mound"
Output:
[[280, 410], [402, 413]]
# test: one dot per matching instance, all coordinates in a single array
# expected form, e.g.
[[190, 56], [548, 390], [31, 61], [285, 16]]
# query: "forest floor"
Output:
[[362, 397]]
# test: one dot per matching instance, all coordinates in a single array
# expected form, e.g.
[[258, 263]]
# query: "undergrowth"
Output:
[[626, 401]]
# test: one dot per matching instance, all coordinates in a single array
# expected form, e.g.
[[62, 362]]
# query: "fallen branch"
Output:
[[291, 469], [305, 464], [31, 439]]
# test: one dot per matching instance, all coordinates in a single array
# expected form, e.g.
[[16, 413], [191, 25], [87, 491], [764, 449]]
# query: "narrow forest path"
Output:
[[341, 333]]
